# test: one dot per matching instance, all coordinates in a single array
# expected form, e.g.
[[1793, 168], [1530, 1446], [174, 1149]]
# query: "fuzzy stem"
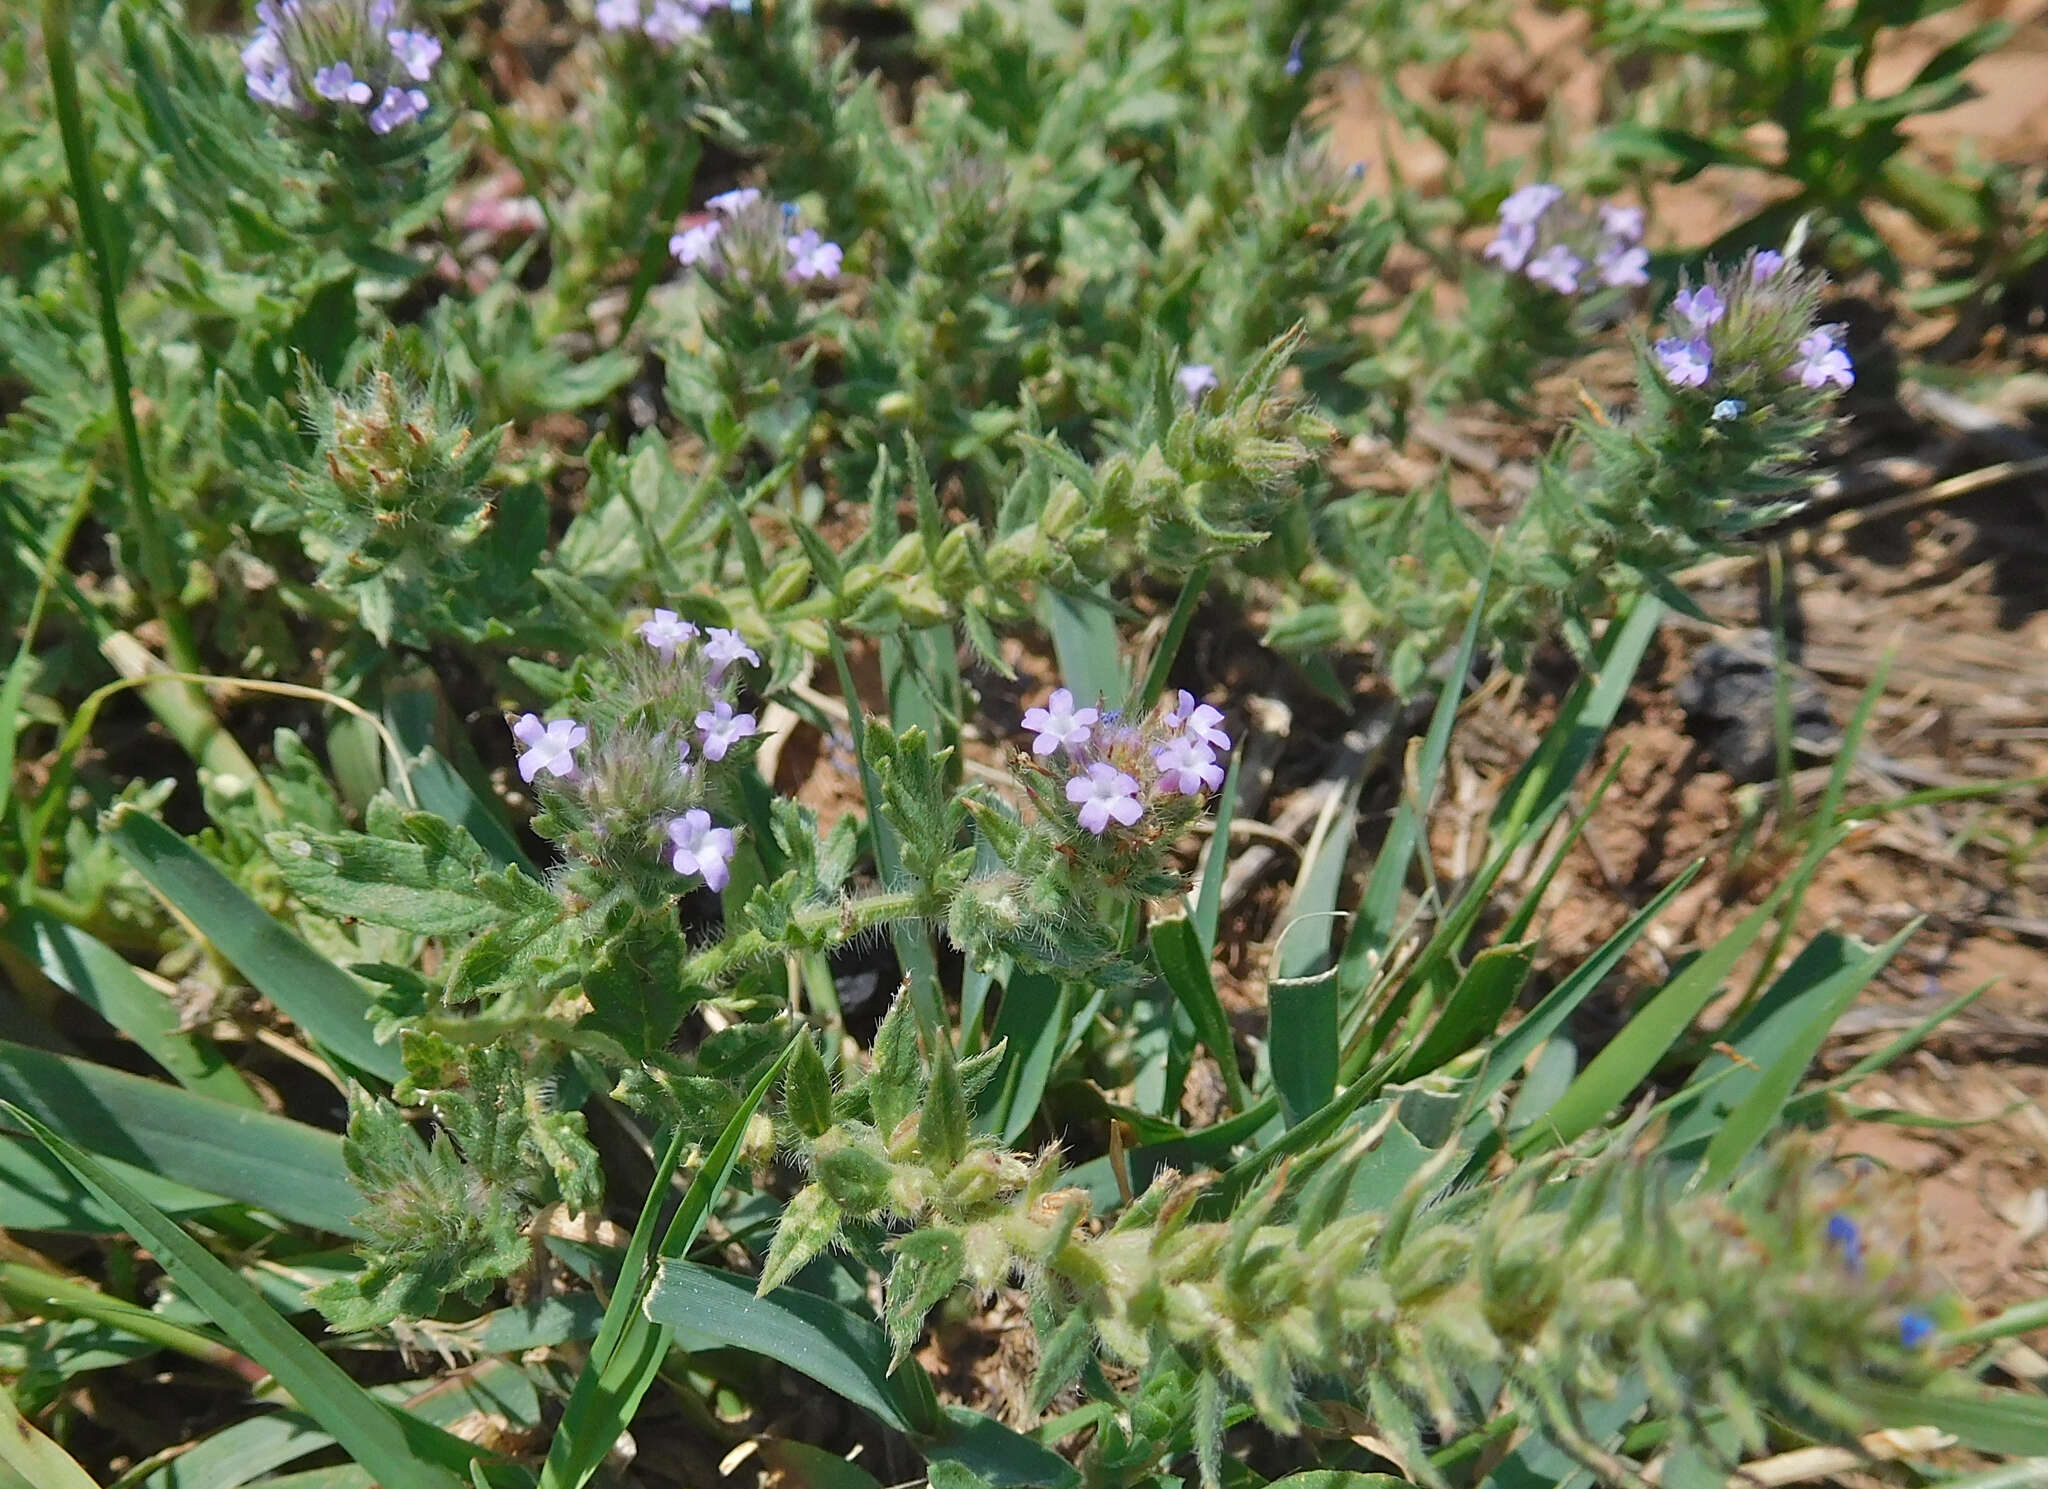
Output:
[[822, 926]]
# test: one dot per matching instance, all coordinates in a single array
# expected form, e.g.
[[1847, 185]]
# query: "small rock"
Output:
[[1730, 703]]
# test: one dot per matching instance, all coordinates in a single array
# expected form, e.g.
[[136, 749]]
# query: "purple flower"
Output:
[[694, 245], [1558, 268], [1197, 381], [1822, 362], [1621, 222], [701, 848], [338, 83], [1621, 267], [1103, 792], [1512, 248], [1198, 721], [1915, 1328], [683, 765], [812, 257], [549, 747], [723, 729], [1686, 362], [416, 51], [726, 647], [1525, 208], [1187, 766], [671, 22], [1700, 308], [1294, 63], [398, 108], [618, 15], [1059, 723], [734, 201], [268, 71], [1846, 1236], [1766, 264], [665, 632]]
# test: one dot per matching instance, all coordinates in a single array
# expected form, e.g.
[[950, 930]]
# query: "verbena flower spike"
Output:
[[341, 64]]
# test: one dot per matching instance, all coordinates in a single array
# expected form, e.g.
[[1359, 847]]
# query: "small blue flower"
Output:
[[1844, 1234], [1915, 1328], [1735, 408]]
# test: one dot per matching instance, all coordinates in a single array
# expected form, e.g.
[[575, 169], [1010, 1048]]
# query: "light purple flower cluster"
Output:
[[1179, 752], [664, 21], [340, 61], [705, 242], [694, 847], [1565, 249], [1197, 381], [1752, 327]]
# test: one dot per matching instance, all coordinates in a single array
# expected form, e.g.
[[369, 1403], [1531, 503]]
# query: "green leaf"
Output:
[[1544, 1020], [928, 1266], [1474, 1009], [1302, 1033], [809, 1223], [275, 1164], [942, 1121], [1655, 1028], [30, 1458], [400, 1452], [1822, 1002], [631, 1344], [807, 1089], [1987, 1420], [812, 1335], [315, 994], [1084, 640], [1183, 961], [423, 881], [1031, 1025], [101, 978]]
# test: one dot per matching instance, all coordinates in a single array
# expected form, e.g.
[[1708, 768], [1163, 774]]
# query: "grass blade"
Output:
[[332, 1007], [1183, 960], [399, 1452], [31, 1459], [1474, 1009], [101, 978], [1216, 857], [1650, 1034], [630, 1345], [285, 1167], [1820, 1004]]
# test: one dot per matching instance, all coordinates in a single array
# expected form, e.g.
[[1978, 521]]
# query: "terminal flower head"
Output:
[[665, 632]]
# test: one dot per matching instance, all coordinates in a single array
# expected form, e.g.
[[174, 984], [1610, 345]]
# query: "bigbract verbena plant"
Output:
[[869, 375]]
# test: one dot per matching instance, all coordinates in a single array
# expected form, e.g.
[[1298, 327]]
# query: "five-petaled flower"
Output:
[[1104, 793], [724, 647], [1059, 723], [738, 199], [1187, 766], [665, 632], [1557, 268], [1199, 721], [722, 729], [700, 848], [550, 747]]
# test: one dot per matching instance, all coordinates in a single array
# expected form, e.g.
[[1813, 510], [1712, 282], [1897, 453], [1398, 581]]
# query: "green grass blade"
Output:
[[811, 1335], [1084, 640], [1649, 1035], [1184, 607], [285, 1167], [1381, 903], [401, 1453], [630, 1345], [1474, 1009], [100, 977], [1031, 1025], [1302, 997], [39, 1193], [1183, 960], [1216, 857], [1759, 1110], [30, 1459], [1989, 1421], [331, 1006]]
